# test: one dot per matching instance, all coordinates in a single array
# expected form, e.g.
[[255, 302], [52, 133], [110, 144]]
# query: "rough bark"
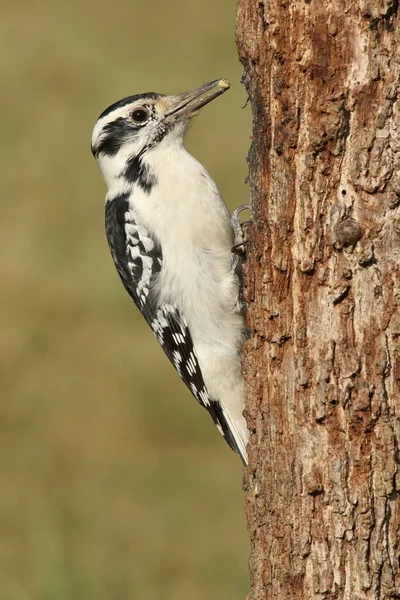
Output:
[[323, 287]]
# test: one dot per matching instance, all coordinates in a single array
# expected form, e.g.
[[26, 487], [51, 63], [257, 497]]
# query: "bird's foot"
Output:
[[239, 230]]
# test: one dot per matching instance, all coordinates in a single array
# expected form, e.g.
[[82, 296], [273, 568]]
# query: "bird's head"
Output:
[[126, 130]]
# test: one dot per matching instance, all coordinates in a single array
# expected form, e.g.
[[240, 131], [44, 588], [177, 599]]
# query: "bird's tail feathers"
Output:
[[239, 435], [233, 428]]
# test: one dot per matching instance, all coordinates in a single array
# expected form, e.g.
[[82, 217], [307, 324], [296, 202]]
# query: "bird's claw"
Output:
[[239, 230], [238, 250]]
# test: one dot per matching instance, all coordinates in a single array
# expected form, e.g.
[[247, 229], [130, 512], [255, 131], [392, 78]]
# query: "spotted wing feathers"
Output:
[[136, 255], [174, 336]]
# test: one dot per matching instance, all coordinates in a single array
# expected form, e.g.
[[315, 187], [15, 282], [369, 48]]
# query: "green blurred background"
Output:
[[114, 483]]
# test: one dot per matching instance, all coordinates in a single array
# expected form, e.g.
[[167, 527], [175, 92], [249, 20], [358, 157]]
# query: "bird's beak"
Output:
[[185, 105]]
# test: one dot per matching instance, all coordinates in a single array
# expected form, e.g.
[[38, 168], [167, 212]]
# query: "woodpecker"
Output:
[[172, 238]]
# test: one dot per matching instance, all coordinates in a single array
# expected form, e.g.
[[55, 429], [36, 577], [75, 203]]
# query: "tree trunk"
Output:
[[323, 288]]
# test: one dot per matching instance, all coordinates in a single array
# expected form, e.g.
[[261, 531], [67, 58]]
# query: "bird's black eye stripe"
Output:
[[140, 115]]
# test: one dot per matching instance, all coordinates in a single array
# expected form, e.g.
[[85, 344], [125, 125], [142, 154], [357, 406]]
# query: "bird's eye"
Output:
[[140, 115]]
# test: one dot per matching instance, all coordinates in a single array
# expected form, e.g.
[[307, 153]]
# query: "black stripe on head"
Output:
[[136, 171], [128, 100], [113, 137]]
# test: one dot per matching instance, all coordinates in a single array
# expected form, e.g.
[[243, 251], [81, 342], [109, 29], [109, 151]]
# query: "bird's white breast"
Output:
[[186, 213]]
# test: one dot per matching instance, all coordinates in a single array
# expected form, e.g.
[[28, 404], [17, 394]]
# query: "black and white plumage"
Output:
[[170, 236]]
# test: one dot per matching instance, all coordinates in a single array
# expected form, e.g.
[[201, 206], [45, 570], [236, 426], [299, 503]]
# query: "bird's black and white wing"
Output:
[[138, 259], [136, 255]]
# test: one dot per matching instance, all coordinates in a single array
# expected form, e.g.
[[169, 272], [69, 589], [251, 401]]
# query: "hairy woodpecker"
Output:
[[171, 238]]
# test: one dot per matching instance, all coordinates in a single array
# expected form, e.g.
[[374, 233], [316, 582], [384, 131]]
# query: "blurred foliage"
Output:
[[114, 483]]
